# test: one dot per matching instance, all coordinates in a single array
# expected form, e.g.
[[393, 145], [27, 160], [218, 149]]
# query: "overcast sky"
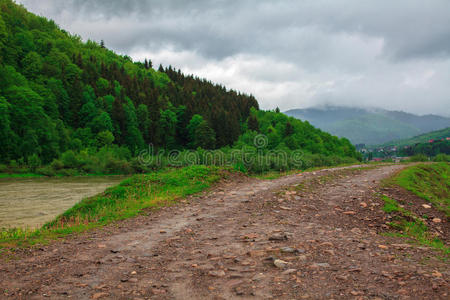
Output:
[[290, 54]]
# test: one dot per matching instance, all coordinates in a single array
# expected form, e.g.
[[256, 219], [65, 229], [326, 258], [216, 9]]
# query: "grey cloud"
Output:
[[410, 28]]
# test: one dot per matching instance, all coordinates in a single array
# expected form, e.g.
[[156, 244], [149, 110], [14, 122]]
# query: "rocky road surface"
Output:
[[305, 236]]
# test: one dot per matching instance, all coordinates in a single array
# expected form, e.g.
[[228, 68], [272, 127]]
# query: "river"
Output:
[[31, 202]]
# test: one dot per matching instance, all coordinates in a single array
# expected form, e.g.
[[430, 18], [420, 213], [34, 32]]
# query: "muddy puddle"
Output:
[[33, 202]]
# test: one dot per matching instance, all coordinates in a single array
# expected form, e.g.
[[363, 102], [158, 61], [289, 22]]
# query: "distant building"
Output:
[[398, 159]]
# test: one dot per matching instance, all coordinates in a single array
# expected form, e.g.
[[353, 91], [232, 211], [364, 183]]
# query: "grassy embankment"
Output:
[[19, 175], [430, 182], [130, 198]]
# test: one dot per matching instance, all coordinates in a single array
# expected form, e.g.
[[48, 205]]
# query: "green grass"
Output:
[[411, 226], [390, 205], [274, 174], [20, 175], [130, 198], [34, 175], [428, 181]]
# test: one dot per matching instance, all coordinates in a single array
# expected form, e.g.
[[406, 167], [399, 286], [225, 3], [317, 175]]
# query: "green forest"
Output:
[[428, 149], [71, 107]]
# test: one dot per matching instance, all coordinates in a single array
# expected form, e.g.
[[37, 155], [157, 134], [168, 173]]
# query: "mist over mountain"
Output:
[[369, 125]]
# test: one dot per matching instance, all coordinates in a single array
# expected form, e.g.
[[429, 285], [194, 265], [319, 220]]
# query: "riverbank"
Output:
[[130, 198], [19, 175], [35, 175]]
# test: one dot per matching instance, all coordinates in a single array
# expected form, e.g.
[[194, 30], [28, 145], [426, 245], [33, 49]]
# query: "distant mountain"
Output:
[[423, 138], [369, 126]]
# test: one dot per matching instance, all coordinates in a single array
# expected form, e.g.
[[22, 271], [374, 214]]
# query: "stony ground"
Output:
[[313, 235]]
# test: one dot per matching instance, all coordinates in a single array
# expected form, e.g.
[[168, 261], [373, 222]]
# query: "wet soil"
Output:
[[296, 237]]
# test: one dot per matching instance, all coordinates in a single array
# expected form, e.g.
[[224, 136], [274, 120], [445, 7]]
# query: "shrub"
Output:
[[34, 162], [69, 159], [13, 163], [46, 171], [68, 172], [57, 165], [117, 166], [418, 157], [76, 144], [441, 157]]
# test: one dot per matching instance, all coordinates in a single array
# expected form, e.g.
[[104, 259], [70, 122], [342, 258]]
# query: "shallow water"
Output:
[[26, 202]]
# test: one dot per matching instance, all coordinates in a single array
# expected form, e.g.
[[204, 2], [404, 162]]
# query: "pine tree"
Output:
[[205, 136], [253, 123], [5, 130], [289, 129]]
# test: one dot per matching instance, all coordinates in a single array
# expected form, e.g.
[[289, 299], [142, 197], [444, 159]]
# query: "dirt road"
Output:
[[314, 235]]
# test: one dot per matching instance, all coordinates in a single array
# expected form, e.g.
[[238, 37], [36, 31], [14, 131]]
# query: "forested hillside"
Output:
[[423, 138], [59, 93], [71, 104]]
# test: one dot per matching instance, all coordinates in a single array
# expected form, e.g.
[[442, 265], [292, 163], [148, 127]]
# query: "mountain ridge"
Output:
[[369, 125]]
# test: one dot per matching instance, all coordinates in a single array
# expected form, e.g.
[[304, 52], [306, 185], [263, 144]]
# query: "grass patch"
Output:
[[428, 181], [125, 200], [390, 205], [274, 174], [411, 226], [20, 175]]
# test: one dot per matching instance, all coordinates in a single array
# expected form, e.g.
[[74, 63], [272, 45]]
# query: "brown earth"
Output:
[[314, 235]]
